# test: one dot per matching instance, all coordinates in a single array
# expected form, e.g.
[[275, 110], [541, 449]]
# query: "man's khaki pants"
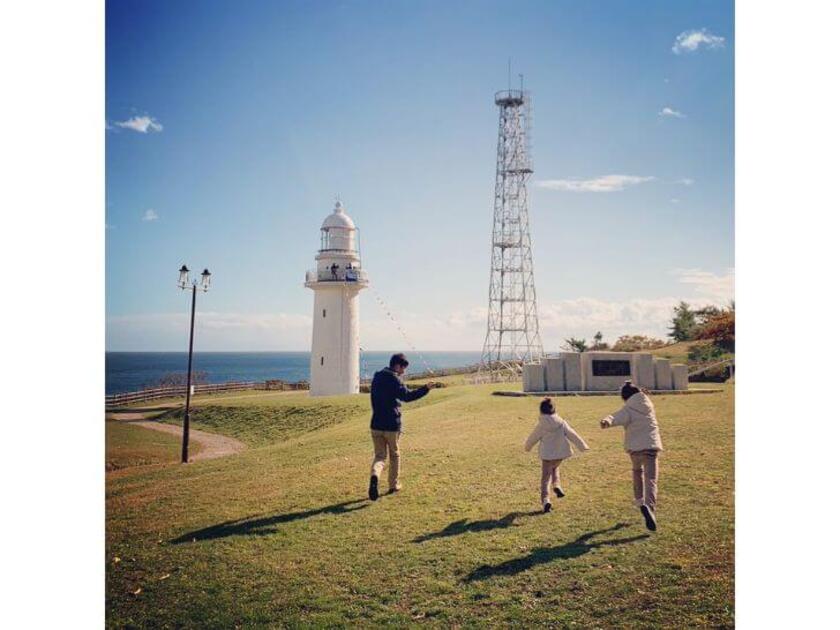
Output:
[[385, 444], [645, 477]]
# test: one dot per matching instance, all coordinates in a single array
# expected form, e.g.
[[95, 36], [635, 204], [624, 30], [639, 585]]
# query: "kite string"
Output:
[[387, 311]]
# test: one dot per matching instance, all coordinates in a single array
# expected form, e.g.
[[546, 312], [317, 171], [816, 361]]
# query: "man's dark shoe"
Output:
[[547, 508], [650, 521], [373, 489], [559, 492]]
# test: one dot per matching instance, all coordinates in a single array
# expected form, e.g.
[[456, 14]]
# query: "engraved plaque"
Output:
[[610, 367]]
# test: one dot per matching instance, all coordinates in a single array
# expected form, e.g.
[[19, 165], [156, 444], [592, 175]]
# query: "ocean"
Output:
[[131, 371]]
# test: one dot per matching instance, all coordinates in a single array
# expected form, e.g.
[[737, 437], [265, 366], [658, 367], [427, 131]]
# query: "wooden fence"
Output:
[[178, 391]]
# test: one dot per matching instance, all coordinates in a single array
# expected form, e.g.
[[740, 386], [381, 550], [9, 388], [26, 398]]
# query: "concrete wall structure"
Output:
[[572, 371], [679, 375], [603, 372], [555, 379], [606, 371], [662, 368], [533, 377], [643, 371]]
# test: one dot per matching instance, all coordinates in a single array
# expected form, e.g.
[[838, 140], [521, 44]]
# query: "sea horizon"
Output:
[[127, 371]]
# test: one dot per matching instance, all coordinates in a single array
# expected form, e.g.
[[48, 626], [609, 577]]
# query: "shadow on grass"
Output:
[[265, 526], [543, 555], [457, 528]]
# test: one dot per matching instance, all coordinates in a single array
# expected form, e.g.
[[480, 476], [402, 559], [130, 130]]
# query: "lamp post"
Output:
[[184, 283]]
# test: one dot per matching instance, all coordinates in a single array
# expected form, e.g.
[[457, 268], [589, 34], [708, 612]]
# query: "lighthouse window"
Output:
[[325, 312], [322, 360]]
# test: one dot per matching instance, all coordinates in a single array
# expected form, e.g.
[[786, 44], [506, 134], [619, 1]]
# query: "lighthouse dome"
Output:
[[338, 219]]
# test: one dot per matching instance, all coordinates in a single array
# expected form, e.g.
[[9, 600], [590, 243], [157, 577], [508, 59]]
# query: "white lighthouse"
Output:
[[336, 281]]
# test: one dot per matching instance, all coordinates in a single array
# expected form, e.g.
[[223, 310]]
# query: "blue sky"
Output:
[[231, 126]]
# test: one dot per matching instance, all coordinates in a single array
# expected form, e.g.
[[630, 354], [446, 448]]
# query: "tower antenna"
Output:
[[513, 335]]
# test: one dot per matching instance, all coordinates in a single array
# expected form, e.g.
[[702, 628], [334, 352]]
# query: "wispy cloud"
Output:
[[667, 112], [140, 124], [685, 181], [150, 215], [691, 41], [455, 330], [604, 183], [719, 289]]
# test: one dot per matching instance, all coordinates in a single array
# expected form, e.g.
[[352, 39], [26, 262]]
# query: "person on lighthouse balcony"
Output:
[[386, 392]]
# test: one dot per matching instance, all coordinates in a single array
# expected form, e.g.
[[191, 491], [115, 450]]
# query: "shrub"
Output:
[[720, 329], [634, 343]]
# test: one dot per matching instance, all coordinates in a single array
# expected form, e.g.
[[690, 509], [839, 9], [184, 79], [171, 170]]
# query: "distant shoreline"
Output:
[[127, 371]]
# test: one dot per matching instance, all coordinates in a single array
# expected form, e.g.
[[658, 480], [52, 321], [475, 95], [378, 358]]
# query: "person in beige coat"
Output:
[[643, 444], [556, 438]]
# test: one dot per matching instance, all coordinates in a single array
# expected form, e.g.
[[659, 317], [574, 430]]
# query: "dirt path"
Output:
[[212, 445]]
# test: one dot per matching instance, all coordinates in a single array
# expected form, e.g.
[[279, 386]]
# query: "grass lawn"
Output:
[[128, 445], [283, 535]]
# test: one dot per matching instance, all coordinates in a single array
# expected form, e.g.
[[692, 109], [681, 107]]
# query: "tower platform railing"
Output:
[[340, 275]]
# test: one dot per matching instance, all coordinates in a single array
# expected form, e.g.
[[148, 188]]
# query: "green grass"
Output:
[[281, 535], [128, 445], [259, 425]]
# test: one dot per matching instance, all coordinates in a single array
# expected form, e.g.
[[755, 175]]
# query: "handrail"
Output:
[[709, 366], [341, 275]]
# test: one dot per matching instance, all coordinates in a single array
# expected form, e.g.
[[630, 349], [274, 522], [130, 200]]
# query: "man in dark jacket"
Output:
[[386, 392]]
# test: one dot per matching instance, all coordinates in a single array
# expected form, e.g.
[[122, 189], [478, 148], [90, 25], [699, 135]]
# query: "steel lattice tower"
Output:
[[513, 334]]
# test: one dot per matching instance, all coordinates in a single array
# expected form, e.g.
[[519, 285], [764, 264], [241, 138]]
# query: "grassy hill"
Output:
[[676, 352], [283, 534]]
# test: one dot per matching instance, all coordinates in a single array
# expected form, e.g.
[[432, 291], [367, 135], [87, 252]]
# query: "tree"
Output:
[[707, 313], [575, 345], [634, 343], [683, 323], [598, 342], [721, 330]]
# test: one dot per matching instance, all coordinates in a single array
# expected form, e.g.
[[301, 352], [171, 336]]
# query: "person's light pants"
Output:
[[645, 477], [386, 444], [550, 478]]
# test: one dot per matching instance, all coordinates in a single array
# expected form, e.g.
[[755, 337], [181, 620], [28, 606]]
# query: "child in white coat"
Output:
[[643, 444], [556, 438]]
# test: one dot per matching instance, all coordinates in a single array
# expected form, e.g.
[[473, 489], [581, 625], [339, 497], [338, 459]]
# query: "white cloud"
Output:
[[462, 329], [604, 183], [674, 200], [667, 112], [584, 316], [685, 181], [150, 215], [691, 41], [140, 124], [578, 317], [719, 289]]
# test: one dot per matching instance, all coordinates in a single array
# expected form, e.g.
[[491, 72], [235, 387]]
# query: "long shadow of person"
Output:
[[457, 528], [542, 555], [265, 525]]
